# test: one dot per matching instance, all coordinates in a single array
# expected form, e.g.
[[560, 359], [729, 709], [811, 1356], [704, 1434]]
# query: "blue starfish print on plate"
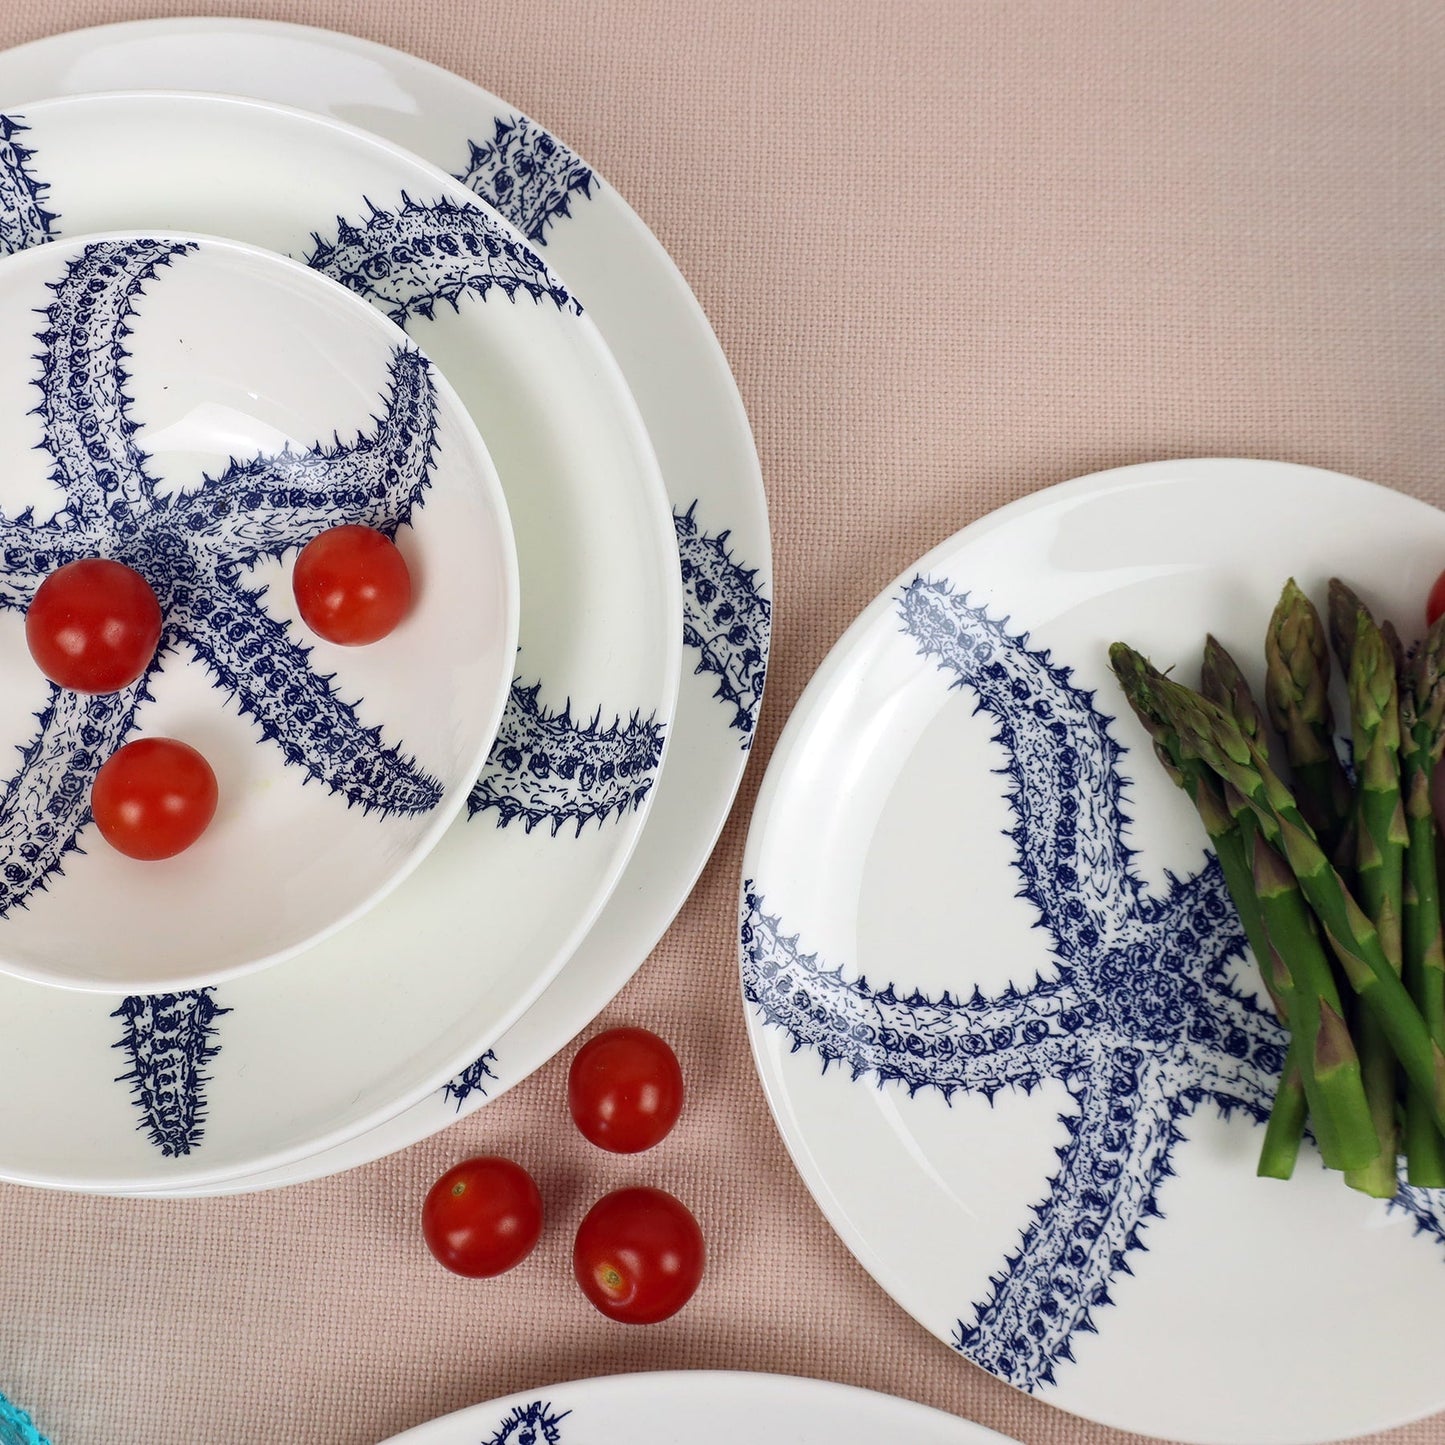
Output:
[[422, 253], [545, 767], [527, 175], [726, 619], [469, 1081], [193, 547], [24, 221], [532, 1424], [170, 1038], [1138, 1019]]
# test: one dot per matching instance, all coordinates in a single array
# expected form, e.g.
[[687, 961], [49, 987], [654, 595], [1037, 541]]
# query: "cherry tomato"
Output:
[[625, 1090], [482, 1217], [153, 798], [1435, 606], [638, 1256], [352, 585], [93, 625]]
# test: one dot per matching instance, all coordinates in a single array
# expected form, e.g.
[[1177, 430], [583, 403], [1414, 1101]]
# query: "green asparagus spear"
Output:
[[1297, 684], [1208, 734], [1422, 738], [1380, 841], [1221, 680]]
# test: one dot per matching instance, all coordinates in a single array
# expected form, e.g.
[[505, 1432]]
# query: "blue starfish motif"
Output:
[[527, 175], [170, 1038], [1138, 1017], [194, 548], [726, 619], [24, 221], [469, 1081], [424, 253], [546, 767], [533, 1424]]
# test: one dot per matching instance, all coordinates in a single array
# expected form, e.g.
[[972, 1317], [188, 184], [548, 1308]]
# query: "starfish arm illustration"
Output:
[[1064, 785], [544, 767], [726, 619], [425, 253], [472, 1080], [47, 803], [1426, 1207], [169, 1039], [975, 1045], [532, 1424], [1118, 1151], [527, 175], [24, 220], [255, 659], [269, 505], [30, 551], [84, 410]]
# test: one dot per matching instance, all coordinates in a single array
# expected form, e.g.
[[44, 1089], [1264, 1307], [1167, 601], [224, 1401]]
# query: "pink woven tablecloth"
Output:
[[955, 252]]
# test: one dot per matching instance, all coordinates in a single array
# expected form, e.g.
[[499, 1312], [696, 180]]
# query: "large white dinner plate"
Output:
[[182, 1089], [699, 1407], [682, 384], [999, 1000]]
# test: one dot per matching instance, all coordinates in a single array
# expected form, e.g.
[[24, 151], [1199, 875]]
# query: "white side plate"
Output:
[[1024, 1070]]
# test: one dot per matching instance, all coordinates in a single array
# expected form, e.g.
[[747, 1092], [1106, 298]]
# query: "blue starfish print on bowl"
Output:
[[1137, 1018], [24, 221], [193, 548], [527, 175], [727, 619], [531, 1424]]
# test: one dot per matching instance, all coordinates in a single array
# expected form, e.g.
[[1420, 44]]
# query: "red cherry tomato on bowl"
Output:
[[93, 625], [625, 1090], [153, 798], [482, 1217], [352, 585], [638, 1256], [1435, 606]]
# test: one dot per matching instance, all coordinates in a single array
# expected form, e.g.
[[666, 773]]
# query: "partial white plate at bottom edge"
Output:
[[997, 995], [699, 1407], [689, 402]]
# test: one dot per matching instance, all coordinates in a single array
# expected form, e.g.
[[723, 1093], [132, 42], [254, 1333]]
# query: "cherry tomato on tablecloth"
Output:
[[482, 1217], [625, 1090], [93, 625], [352, 585], [638, 1255], [153, 798]]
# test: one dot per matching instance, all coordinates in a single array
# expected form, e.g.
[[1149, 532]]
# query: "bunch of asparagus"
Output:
[[1335, 879]]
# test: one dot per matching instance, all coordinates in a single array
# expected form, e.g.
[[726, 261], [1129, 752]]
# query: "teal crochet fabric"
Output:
[[16, 1427]]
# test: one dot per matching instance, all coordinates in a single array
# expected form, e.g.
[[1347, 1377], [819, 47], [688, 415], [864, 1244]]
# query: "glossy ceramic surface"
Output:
[[999, 998], [675, 369], [193, 396], [289, 1061], [701, 1408]]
